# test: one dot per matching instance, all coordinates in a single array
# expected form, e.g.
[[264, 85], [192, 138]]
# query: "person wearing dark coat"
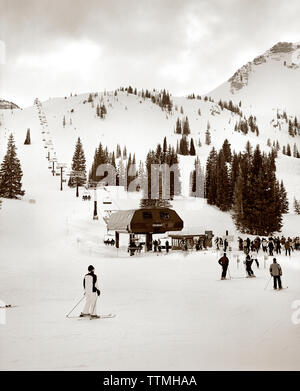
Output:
[[224, 262], [271, 247], [276, 273], [240, 244], [287, 247], [132, 248], [248, 244], [248, 263], [167, 246], [278, 246]]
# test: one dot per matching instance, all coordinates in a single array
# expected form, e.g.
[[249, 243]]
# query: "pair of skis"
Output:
[[8, 306], [105, 316]]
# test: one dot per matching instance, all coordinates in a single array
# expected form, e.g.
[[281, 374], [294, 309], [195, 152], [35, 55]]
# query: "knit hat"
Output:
[[90, 268]]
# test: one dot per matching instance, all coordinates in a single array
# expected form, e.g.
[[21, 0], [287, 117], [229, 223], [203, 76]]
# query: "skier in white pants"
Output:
[[91, 292]]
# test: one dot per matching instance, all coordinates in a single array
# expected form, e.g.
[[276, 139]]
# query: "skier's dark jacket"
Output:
[[249, 262], [224, 261], [94, 281]]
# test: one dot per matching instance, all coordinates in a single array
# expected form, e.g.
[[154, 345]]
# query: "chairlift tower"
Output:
[[95, 215]]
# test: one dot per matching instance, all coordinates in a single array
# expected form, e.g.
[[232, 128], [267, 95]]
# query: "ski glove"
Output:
[[98, 292]]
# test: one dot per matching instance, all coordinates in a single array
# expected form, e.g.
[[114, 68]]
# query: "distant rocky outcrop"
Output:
[[4, 104]]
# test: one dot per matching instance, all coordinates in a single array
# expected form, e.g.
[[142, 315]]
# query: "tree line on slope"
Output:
[[246, 185]]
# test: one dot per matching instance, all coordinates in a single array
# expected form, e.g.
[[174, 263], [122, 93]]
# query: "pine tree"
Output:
[[178, 129], [142, 177], [296, 206], [227, 151], [121, 178], [64, 121], [118, 153], [197, 180], [11, 173], [238, 210], [210, 178], [27, 140], [184, 146], [103, 111], [128, 171], [186, 127], [207, 137], [291, 129], [113, 160], [124, 155], [295, 151], [222, 183], [283, 199], [164, 151], [233, 175], [78, 174], [259, 199], [288, 150], [192, 148]]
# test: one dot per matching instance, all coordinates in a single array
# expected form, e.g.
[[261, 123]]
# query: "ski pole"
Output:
[[75, 306], [229, 273], [268, 283]]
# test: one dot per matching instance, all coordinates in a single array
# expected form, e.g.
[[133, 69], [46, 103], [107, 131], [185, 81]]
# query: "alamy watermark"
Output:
[[2, 313], [2, 53], [163, 180], [295, 318]]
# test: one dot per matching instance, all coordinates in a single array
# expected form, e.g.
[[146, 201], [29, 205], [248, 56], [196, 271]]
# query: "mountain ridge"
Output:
[[269, 80]]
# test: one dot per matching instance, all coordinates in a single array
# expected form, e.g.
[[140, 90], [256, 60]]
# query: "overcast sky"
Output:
[[54, 47]]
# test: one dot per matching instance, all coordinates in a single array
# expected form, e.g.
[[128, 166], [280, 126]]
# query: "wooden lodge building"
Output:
[[144, 221]]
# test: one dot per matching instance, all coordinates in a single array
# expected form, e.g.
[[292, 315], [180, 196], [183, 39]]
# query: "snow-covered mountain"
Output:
[[269, 81], [49, 238], [267, 88]]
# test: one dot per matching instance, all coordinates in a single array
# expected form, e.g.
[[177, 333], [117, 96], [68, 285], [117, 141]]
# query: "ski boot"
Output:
[[82, 315]]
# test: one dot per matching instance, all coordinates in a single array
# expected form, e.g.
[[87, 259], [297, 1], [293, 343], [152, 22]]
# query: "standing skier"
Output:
[[91, 292], [224, 262], [167, 246], [248, 263], [271, 247], [287, 246], [276, 273]]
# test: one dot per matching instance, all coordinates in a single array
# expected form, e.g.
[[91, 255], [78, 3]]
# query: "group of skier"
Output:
[[275, 269], [250, 248], [270, 245]]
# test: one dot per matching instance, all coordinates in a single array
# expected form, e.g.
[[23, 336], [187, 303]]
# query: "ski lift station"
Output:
[[144, 221]]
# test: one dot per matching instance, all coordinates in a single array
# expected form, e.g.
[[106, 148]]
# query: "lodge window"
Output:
[[164, 215], [147, 215]]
